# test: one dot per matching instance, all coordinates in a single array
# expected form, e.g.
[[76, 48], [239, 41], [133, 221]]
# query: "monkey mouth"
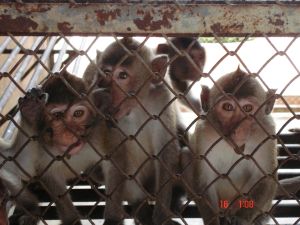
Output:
[[239, 149], [237, 144], [73, 148]]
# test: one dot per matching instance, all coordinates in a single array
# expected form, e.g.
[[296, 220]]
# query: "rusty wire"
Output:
[[133, 137], [104, 157]]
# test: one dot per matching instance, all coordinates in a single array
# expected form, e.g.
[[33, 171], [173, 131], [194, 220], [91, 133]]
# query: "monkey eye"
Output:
[[107, 72], [227, 106], [123, 75], [78, 113], [248, 108], [57, 115]]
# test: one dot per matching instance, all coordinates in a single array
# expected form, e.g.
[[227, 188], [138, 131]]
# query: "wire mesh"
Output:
[[131, 140]]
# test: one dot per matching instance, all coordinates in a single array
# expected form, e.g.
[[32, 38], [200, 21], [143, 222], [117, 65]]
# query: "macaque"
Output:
[[59, 125], [182, 72], [144, 156], [237, 152]]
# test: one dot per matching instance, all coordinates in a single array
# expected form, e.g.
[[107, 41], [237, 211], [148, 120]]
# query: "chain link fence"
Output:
[[147, 150]]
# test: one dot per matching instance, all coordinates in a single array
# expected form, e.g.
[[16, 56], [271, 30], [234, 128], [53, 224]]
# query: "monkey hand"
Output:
[[20, 217], [31, 105], [36, 94]]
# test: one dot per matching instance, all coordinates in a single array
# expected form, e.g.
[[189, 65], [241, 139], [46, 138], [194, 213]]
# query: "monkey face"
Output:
[[68, 126], [123, 83], [184, 68], [235, 118]]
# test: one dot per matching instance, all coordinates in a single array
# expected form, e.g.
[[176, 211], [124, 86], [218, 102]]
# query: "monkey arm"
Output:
[[262, 198], [114, 186], [162, 212], [208, 207], [27, 211], [289, 185], [55, 186]]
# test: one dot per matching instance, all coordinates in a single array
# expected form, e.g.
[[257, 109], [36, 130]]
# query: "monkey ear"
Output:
[[238, 69], [162, 49], [159, 66], [204, 96], [271, 100], [98, 56]]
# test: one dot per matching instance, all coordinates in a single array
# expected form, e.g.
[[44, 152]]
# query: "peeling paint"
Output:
[[219, 28], [36, 8], [149, 22], [103, 16], [65, 27], [23, 23], [141, 19], [276, 20]]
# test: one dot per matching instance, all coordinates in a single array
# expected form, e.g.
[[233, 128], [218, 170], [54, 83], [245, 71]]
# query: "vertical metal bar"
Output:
[[11, 87], [12, 55], [33, 81], [78, 59], [59, 60], [39, 67], [4, 44]]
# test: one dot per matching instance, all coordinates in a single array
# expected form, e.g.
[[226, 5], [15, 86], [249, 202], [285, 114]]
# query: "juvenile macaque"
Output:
[[182, 71], [57, 127], [144, 158], [238, 152]]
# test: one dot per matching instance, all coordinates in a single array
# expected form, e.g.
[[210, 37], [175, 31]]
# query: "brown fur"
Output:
[[130, 154], [182, 71], [220, 153], [37, 156]]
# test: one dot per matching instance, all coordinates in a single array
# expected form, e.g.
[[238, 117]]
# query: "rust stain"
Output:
[[278, 31], [276, 20], [140, 12], [218, 28], [65, 27], [19, 24], [34, 8], [104, 15], [148, 23], [40, 8], [78, 5]]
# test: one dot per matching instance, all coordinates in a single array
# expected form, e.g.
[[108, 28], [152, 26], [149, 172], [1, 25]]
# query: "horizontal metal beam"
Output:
[[142, 19]]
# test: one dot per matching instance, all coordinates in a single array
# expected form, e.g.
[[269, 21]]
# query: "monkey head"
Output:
[[131, 68], [61, 117], [235, 114], [182, 68]]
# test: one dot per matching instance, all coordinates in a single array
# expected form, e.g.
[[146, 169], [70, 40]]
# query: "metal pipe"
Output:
[[59, 60], [12, 56], [11, 87], [79, 58], [33, 81], [4, 44], [183, 18]]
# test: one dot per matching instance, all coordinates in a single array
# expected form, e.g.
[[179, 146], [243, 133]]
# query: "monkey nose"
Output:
[[239, 149]]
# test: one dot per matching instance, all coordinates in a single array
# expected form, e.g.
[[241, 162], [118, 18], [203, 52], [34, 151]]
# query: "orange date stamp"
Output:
[[242, 203]]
